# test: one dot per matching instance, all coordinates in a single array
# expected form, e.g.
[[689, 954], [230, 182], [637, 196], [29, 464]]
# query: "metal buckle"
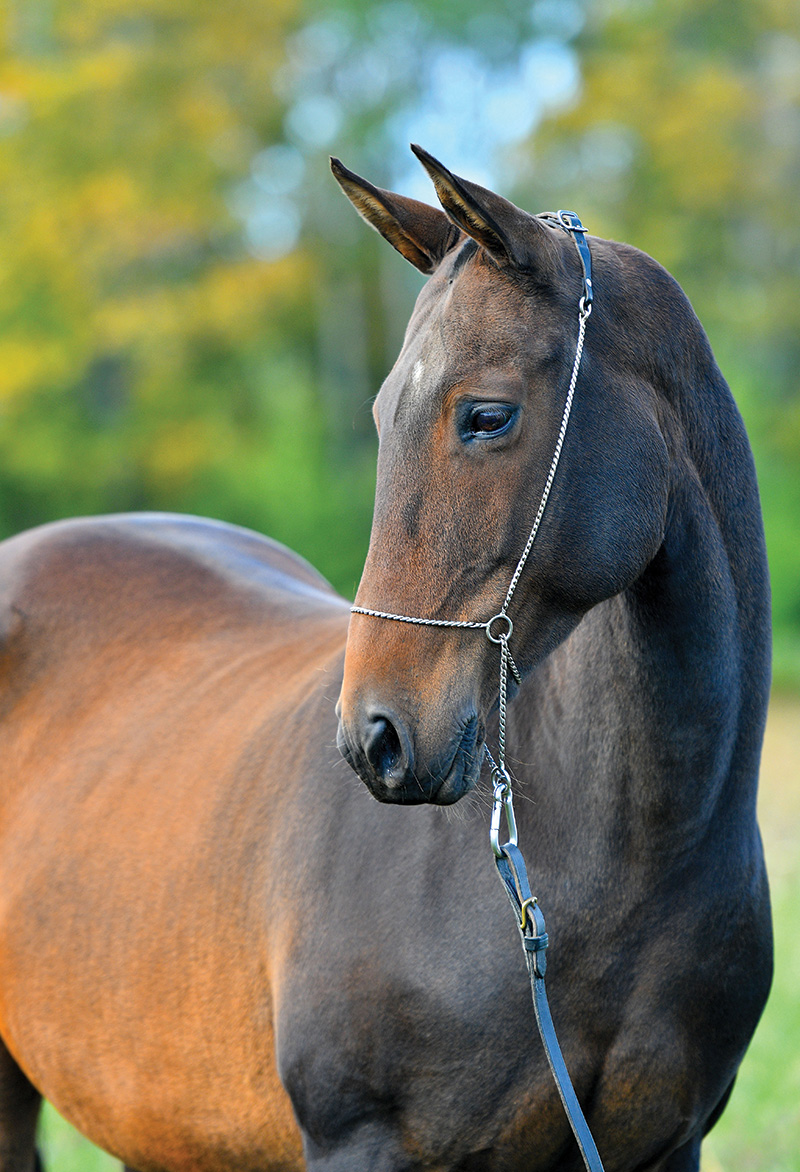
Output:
[[530, 902], [571, 221]]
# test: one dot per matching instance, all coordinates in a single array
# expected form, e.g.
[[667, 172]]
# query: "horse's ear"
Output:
[[421, 233], [510, 235]]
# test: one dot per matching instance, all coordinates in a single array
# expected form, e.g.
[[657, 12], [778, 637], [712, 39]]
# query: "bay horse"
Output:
[[217, 951]]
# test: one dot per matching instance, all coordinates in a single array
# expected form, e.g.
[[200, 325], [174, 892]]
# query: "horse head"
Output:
[[468, 420]]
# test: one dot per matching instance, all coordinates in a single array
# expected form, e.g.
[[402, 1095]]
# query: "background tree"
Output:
[[686, 142], [154, 332]]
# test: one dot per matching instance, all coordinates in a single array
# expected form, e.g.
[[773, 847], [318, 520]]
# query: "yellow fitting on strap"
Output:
[[532, 902]]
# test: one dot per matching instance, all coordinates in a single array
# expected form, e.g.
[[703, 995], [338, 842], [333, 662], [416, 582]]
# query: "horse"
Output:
[[217, 949]]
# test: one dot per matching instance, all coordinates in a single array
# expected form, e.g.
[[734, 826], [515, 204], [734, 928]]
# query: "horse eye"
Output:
[[490, 420]]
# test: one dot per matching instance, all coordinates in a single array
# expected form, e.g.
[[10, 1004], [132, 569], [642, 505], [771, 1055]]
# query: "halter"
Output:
[[499, 627], [508, 859]]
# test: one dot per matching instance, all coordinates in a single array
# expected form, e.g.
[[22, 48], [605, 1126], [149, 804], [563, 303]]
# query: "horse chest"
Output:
[[419, 1022]]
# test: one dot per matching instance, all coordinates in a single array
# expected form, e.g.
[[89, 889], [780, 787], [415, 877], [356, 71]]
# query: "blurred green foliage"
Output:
[[191, 317], [148, 358]]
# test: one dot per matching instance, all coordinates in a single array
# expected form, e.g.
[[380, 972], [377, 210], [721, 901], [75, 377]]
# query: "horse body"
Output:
[[151, 667], [218, 951]]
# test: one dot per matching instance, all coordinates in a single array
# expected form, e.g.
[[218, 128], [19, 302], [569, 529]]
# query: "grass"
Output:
[[65, 1150], [760, 1130]]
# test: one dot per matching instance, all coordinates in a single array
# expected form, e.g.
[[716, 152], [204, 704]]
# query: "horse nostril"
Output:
[[382, 746]]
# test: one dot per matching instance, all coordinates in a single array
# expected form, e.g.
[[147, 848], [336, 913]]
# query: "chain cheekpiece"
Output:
[[495, 630]]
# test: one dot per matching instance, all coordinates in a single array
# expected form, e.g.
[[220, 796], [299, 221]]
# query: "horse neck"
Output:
[[646, 724]]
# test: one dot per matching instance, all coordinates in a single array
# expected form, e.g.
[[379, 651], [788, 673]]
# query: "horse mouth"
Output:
[[465, 766], [396, 778]]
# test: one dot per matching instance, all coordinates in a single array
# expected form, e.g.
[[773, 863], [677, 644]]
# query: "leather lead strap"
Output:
[[530, 921]]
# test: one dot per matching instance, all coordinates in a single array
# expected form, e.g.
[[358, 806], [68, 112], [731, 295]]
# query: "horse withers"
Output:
[[217, 951]]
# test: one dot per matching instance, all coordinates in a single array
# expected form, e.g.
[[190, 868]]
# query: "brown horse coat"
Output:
[[217, 951], [152, 674]]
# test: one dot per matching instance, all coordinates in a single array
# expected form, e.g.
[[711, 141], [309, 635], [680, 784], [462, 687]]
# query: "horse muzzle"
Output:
[[379, 746]]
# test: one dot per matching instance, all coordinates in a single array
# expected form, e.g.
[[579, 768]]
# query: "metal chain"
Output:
[[583, 316], [405, 618], [501, 779], [502, 796]]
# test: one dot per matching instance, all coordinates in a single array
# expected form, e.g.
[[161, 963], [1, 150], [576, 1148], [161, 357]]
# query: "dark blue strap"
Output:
[[570, 222], [530, 921]]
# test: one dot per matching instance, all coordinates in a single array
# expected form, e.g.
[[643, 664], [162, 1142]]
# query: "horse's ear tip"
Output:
[[430, 162], [340, 172]]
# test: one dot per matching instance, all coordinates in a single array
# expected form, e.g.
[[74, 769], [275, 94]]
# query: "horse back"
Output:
[[134, 587]]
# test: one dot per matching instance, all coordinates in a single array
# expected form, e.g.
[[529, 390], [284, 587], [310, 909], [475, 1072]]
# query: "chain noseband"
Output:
[[501, 780]]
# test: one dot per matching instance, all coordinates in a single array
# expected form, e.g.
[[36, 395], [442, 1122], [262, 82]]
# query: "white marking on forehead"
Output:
[[414, 378], [417, 374]]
